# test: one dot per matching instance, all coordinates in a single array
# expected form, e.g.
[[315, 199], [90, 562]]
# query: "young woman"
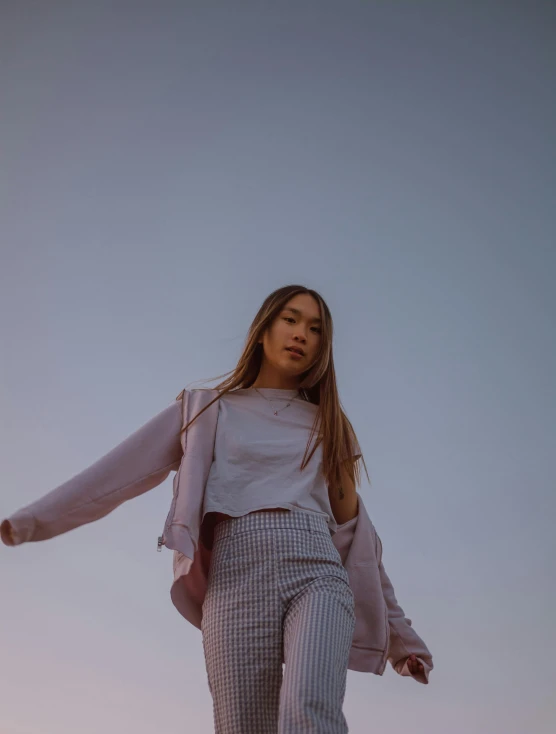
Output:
[[276, 560]]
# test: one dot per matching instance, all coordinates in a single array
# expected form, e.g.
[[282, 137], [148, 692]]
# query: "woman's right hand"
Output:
[[6, 531]]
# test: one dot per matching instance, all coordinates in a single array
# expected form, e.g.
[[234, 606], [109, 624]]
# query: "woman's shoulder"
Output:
[[195, 390]]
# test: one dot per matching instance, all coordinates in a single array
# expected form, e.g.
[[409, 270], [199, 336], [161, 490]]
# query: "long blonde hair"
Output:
[[318, 386]]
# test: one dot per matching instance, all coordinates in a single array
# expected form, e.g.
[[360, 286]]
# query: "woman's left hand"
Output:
[[414, 666]]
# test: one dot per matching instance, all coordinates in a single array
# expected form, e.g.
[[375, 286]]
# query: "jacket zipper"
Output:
[[161, 539]]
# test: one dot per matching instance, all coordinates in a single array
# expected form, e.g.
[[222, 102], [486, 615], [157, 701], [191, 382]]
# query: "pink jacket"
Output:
[[144, 460]]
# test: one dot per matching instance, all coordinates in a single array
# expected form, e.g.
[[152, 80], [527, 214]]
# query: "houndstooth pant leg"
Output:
[[277, 592]]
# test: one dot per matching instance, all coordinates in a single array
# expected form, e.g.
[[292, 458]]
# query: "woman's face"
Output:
[[297, 325]]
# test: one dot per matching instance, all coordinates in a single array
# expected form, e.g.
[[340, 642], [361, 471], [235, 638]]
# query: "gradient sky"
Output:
[[164, 166]]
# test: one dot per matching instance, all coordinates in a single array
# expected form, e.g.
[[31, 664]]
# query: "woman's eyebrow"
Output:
[[297, 312]]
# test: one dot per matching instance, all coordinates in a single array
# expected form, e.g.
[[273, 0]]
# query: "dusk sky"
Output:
[[166, 165]]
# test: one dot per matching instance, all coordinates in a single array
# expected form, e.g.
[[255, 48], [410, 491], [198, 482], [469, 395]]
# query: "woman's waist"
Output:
[[268, 518], [218, 517]]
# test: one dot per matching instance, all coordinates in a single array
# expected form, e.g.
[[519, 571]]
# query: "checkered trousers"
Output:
[[277, 594]]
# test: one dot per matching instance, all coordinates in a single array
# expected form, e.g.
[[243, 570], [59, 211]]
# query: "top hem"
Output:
[[274, 505]]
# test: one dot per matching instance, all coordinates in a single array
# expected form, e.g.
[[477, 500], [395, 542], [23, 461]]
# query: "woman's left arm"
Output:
[[407, 652]]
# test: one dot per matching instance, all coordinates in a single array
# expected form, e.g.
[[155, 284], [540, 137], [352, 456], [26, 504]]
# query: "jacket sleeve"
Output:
[[404, 641], [139, 463]]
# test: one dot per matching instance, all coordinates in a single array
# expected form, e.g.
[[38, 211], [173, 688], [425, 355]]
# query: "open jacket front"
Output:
[[146, 458]]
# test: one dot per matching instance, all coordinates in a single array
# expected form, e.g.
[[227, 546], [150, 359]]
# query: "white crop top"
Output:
[[257, 456]]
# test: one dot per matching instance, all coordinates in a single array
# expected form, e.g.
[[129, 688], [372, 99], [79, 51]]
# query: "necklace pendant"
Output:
[[275, 412]]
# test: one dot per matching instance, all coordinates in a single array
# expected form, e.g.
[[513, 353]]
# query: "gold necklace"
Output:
[[269, 401]]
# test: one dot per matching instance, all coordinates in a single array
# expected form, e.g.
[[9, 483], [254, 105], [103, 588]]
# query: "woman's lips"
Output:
[[294, 354]]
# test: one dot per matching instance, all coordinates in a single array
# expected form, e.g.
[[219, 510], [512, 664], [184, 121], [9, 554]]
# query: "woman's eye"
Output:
[[315, 329]]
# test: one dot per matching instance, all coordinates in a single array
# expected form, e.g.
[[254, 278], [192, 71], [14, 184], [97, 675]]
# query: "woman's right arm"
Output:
[[142, 461]]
